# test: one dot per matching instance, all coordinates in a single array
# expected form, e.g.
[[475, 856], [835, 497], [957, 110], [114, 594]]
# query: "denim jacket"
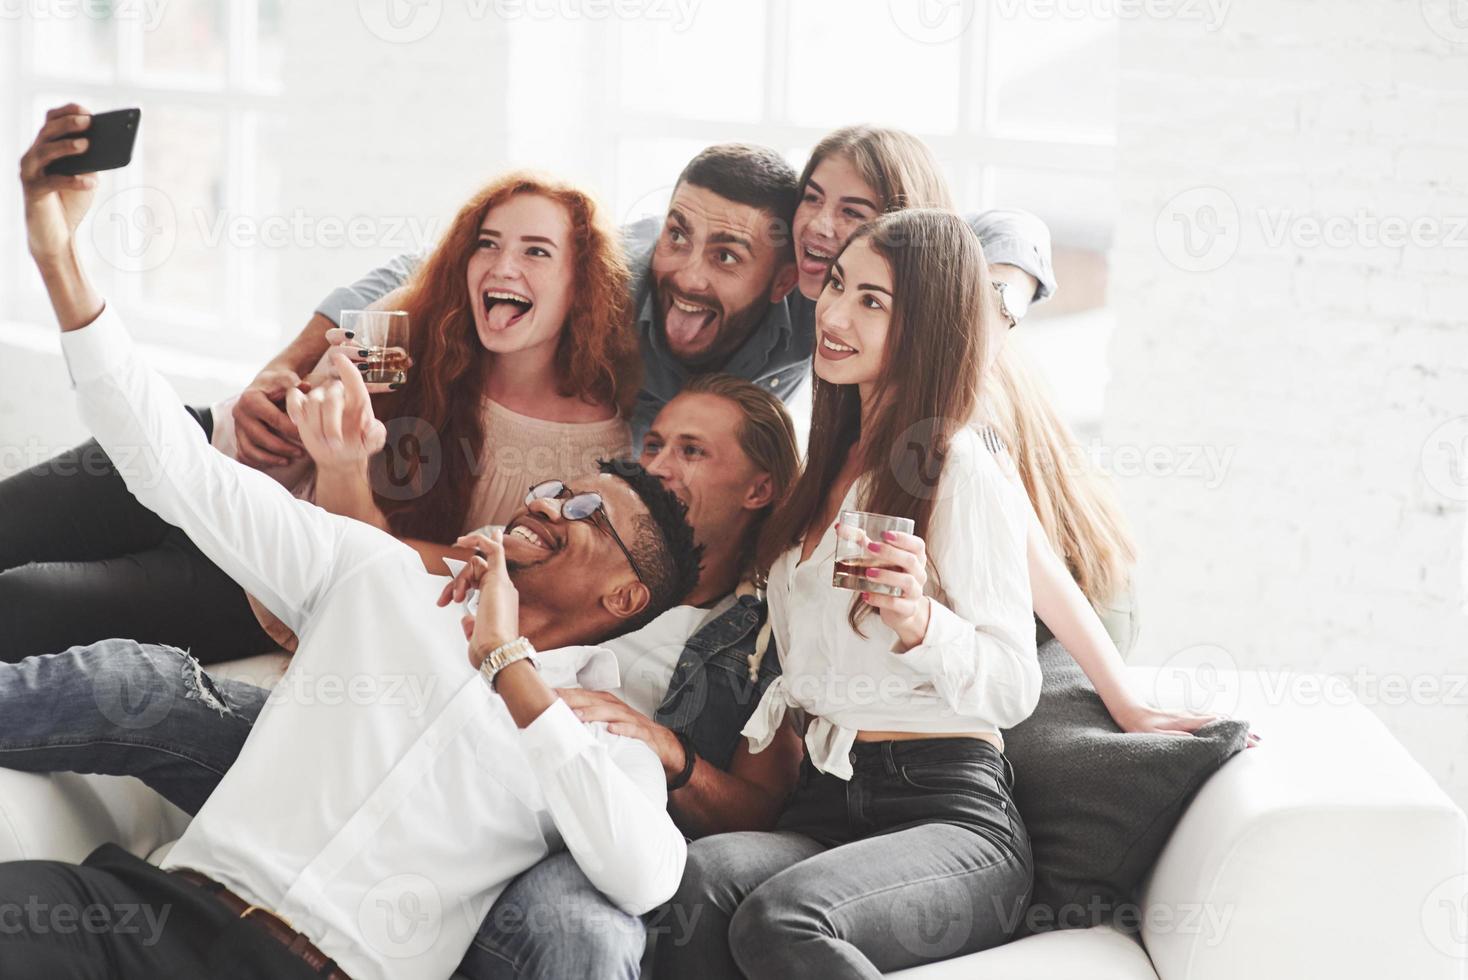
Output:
[[711, 695]]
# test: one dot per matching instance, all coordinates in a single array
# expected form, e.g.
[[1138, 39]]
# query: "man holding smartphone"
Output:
[[438, 809]]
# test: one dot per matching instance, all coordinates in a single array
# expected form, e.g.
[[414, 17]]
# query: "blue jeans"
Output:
[[919, 857], [123, 708]]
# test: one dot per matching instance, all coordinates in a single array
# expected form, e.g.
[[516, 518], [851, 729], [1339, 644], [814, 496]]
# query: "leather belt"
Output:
[[272, 924]]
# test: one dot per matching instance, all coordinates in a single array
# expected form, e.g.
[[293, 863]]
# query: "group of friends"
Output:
[[626, 702]]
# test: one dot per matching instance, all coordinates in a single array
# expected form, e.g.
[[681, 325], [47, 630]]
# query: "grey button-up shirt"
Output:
[[777, 353]]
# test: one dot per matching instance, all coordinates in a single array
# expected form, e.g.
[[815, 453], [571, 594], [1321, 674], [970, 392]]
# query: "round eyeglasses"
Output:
[[586, 505]]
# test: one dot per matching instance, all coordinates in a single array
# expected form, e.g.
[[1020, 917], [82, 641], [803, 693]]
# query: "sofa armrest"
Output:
[[1316, 853], [64, 816]]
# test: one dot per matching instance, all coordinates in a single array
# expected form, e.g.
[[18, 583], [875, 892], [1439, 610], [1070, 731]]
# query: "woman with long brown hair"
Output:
[[904, 801], [1080, 549]]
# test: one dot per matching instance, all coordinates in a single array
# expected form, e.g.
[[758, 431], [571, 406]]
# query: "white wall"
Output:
[[385, 129], [1332, 540]]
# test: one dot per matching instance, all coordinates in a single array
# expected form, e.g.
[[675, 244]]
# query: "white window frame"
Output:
[[236, 95], [977, 135]]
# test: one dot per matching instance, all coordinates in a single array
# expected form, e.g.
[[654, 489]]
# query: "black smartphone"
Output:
[[110, 144]]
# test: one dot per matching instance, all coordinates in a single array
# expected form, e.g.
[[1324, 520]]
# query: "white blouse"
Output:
[[975, 670]]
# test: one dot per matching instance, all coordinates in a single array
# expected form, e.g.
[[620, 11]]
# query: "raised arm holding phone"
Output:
[[452, 801]]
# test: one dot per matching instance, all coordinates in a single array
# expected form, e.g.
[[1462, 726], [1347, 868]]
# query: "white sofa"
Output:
[[1325, 852]]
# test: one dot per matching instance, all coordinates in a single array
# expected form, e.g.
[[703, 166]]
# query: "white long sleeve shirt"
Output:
[[385, 799], [976, 669]]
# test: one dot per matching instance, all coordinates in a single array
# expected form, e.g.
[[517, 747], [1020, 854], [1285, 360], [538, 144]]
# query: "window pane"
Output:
[[75, 47], [646, 172], [269, 47], [189, 40], [183, 159], [853, 61], [1080, 209], [263, 260], [1052, 74], [713, 68]]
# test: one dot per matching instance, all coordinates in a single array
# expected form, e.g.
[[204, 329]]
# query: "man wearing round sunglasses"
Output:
[[446, 799], [726, 449], [580, 507], [530, 530]]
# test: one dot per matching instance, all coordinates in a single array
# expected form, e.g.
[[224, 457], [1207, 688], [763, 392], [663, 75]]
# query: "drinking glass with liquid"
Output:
[[856, 529], [383, 334]]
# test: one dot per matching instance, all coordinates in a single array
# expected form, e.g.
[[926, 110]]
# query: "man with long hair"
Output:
[[726, 450]]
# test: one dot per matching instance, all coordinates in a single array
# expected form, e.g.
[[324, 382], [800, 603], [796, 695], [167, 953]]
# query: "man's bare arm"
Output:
[[749, 796]]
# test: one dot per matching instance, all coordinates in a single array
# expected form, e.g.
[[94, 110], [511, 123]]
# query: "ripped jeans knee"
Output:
[[127, 709], [199, 686]]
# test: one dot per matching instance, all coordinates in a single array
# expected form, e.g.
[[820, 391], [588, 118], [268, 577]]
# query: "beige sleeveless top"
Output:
[[520, 451]]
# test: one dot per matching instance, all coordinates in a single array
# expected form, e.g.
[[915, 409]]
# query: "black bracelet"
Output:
[[689, 759]]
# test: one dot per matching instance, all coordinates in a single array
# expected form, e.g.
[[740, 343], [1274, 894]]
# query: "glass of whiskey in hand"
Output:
[[854, 531], [383, 335]]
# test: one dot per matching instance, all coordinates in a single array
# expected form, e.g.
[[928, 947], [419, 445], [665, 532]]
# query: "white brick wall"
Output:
[[1334, 541]]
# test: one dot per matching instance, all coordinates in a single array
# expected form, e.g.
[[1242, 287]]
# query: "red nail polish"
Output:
[[874, 546], [889, 536], [872, 571]]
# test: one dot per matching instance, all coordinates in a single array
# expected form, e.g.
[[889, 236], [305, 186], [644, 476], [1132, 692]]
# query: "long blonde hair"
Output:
[[1074, 502], [1073, 499]]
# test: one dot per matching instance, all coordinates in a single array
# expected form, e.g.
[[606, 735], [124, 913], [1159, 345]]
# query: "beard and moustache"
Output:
[[734, 329]]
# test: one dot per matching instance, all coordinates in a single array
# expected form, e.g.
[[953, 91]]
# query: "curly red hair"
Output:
[[597, 358]]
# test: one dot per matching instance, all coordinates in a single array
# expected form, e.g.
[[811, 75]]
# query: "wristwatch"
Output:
[[1000, 288], [502, 656]]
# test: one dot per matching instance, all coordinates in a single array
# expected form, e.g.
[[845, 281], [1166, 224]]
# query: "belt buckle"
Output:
[[251, 909]]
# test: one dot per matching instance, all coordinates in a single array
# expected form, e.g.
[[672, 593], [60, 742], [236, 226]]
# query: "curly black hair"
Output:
[[663, 546]]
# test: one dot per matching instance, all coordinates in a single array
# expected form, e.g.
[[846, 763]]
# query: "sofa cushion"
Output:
[[1099, 804], [1102, 953], [263, 670]]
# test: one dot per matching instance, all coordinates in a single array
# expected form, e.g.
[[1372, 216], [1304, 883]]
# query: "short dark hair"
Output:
[[664, 547], [755, 176]]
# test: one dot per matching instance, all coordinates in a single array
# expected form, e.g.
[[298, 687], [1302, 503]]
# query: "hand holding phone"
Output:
[[55, 204], [110, 137]]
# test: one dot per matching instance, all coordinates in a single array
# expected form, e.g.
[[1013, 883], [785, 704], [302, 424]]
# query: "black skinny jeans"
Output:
[[81, 560]]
